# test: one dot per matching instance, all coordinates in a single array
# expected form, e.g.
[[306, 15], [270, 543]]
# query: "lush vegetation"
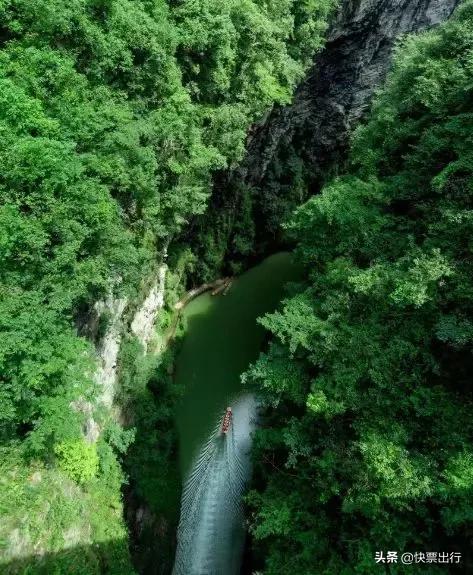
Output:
[[114, 114], [46, 513], [367, 442], [149, 396]]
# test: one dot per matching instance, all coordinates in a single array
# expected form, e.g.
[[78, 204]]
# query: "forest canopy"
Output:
[[113, 115], [367, 442]]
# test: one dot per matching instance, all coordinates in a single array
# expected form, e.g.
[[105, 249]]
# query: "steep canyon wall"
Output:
[[339, 88]]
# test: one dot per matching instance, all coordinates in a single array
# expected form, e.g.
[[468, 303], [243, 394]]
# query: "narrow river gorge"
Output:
[[154, 154], [222, 338]]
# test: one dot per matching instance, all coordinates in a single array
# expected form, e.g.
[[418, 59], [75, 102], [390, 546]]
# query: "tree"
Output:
[[370, 448]]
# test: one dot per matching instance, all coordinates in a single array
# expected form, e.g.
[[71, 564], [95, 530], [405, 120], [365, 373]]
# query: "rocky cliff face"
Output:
[[339, 88]]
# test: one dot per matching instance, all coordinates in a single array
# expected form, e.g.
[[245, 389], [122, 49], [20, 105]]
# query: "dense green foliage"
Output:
[[224, 237], [77, 528], [367, 442], [149, 396], [78, 459], [114, 115]]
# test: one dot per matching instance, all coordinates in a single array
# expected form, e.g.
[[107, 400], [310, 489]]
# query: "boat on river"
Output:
[[227, 420]]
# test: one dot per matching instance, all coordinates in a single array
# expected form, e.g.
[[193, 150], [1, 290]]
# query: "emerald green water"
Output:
[[221, 340]]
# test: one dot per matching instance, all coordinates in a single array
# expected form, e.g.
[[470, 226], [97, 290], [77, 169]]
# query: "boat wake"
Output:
[[211, 529]]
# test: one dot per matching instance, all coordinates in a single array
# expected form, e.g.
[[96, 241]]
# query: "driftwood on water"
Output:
[[227, 287], [223, 287], [217, 287]]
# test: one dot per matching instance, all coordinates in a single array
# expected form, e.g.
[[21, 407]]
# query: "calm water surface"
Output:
[[221, 340]]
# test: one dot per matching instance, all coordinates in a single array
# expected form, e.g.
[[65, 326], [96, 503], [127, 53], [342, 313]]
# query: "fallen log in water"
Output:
[[227, 287], [217, 286], [223, 289]]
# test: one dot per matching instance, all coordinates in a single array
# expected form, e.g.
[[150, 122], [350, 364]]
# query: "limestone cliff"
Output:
[[338, 89]]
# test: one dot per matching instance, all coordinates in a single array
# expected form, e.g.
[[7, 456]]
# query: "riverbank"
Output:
[[222, 337], [179, 390]]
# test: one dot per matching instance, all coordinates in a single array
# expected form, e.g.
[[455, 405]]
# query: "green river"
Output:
[[222, 339]]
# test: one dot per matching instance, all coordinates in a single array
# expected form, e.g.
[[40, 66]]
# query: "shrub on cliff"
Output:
[[78, 459]]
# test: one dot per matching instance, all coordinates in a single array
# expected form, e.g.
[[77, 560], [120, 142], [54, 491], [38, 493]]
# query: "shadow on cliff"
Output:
[[152, 496], [108, 558]]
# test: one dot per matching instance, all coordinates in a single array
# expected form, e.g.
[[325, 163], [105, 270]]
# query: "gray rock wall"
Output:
[[338, 90]]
